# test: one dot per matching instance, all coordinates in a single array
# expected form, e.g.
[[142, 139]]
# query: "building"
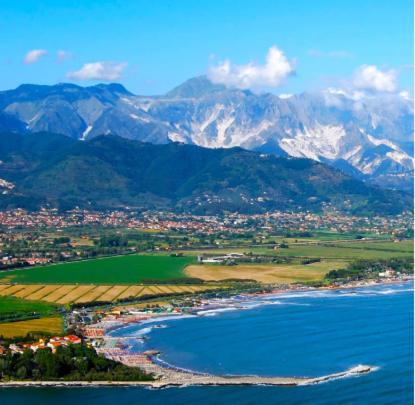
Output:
[[387, 273]]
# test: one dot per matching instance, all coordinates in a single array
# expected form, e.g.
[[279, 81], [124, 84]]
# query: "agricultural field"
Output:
[[265, 273], [50, 325], [128, 269], [12, 305], [69, 294], [350, 251], [333, 250]]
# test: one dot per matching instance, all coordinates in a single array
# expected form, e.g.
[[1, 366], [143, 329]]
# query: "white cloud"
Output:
[[285, 95], [406, 95], [34, 55], [61, 56], [106, 71], [370, 77], [252, 75]]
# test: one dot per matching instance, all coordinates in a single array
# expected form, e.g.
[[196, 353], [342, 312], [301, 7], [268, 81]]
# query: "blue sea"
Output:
[[294, 334]]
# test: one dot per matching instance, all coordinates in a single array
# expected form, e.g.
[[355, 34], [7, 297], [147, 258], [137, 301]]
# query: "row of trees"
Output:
[[361, 269]]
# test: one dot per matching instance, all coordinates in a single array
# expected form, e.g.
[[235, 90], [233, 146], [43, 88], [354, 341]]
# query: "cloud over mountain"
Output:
[[105, 71], [253, 75], [370, 77]]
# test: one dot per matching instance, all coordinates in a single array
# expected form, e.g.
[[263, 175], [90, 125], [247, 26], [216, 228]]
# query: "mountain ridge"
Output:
[[373, 135], [110, 172]]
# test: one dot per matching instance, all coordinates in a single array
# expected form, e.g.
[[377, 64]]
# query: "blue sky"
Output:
[[152, 46]]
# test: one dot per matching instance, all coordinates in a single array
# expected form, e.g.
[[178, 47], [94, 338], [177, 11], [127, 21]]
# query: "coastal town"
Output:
[[97, 328], [72, 282], [233, 222]]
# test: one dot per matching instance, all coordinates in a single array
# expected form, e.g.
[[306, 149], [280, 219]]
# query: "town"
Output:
[[77, 234]]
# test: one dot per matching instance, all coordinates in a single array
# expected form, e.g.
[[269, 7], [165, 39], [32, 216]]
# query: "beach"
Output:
[[168, 375], [295, 346]]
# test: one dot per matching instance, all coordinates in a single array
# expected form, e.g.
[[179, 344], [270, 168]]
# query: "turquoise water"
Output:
[[303, 334]]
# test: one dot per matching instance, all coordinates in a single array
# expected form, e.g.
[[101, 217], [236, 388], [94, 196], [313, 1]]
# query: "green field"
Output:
[[19, 306], [130, 269], [350, 251], [328, 250]]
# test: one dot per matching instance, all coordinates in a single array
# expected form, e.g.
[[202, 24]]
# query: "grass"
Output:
[[330, 250], [82, 241], [265, 273], [19, 306], [52, 325], [129, 269], [343, 251], [406, 246]]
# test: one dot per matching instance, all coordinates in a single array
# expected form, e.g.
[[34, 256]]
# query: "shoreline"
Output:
[[171, 376], [183, 379]]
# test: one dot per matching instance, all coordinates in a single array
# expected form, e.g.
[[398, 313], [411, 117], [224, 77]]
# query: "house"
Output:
[[17, 347], [72, 339], [54, 346], [37, 345], [387, 273], [57, 339], [65, 340]]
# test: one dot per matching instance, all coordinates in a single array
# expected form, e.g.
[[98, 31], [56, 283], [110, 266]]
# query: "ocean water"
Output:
[[295, 334]]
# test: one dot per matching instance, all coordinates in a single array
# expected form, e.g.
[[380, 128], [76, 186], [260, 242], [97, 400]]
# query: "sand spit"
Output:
[[173, 378]]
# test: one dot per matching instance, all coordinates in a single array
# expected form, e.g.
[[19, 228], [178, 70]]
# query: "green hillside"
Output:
[[113, 172]]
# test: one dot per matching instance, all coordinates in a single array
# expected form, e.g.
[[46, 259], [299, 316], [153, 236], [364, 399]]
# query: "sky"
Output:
[[265, 45]]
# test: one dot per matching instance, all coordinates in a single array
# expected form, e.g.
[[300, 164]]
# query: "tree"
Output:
[[21, 372]]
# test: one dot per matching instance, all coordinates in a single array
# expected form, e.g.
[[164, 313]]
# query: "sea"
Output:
[[312, 333]]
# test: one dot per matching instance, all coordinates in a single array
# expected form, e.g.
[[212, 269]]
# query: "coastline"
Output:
[[173, 376], [170, 376], [184, 379]]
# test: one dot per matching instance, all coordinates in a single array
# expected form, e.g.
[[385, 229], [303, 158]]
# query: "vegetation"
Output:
[[12, 309], [128, 269], [49, 325], [113, 241], [265, 273], [325, 250], [83, 294], [61, 240], [368, 268], [71, 363], [109, 172]]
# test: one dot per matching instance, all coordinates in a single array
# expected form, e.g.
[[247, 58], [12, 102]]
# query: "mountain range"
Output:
[[368, 137], [110, 172]]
